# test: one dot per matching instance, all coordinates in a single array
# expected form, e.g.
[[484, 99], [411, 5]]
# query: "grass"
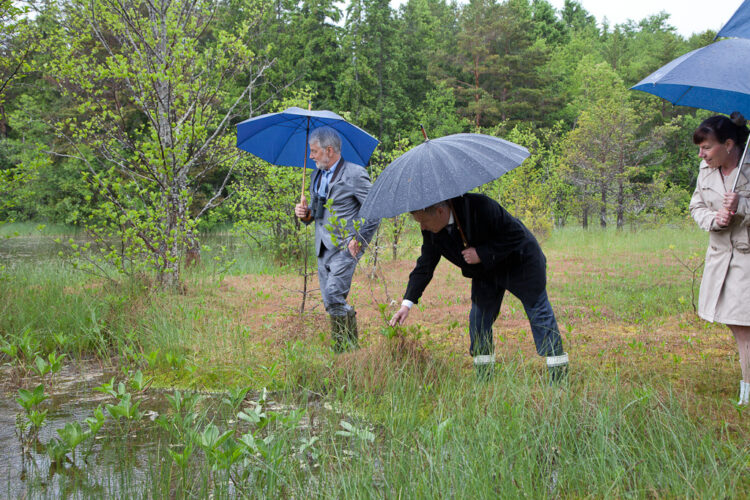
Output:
[[647, 412]]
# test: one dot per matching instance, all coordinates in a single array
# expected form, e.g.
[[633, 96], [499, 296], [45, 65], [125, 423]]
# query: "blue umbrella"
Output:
[[281, 138], [739, 24], [715, 77]]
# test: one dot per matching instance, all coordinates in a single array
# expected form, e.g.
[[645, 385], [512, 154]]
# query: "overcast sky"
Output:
[[688, 16]]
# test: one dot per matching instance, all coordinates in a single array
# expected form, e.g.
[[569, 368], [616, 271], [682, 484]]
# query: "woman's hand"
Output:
[[400, 316], [730, 202], [723, 217]]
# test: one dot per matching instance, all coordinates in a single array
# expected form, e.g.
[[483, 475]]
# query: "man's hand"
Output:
[[354, 247], [731, 200], [400, 316], [723, 217], [300, 209], [470, 256]]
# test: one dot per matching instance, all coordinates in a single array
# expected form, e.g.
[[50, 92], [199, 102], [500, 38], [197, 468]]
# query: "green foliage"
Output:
[[439, 118], [17, 44], [607, 151], [30, 424], [29, 399], [391, 229], [263, 200], [151, 124], [535, 192], [147, 114]]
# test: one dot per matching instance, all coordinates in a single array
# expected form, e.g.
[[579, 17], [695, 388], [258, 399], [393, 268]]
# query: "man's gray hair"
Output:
[[325, 137], [432, 208]]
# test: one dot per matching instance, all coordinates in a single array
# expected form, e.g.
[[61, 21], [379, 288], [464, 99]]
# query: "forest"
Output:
[[118, 117]]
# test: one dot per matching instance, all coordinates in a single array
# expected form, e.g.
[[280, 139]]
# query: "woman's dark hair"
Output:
[[722, 128]]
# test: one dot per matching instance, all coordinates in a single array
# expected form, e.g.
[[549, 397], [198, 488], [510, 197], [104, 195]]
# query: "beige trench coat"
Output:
[[725, 287]]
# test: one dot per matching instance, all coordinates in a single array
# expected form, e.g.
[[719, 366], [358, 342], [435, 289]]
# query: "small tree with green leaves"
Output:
[[393, 227], [157, 87]]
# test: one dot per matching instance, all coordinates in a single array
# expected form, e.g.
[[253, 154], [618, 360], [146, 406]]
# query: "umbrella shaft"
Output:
[[739, 167]]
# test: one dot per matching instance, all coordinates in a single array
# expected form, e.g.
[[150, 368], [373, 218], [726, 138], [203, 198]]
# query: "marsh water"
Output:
[[72, 398], [119, 462], [115, 461], [30, 248]]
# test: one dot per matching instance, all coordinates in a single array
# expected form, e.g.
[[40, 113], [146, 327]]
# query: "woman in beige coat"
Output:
[[725, 288]]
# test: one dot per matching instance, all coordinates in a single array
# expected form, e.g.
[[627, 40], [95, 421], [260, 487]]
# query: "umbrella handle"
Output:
[[304, 160]]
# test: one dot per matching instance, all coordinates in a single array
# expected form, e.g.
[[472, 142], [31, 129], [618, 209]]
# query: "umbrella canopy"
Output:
[[440, 169], [739, 24], [715, 77], [281, 138]]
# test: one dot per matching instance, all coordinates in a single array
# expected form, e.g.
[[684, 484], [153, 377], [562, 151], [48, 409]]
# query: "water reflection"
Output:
[[30, 248], [72, 399]]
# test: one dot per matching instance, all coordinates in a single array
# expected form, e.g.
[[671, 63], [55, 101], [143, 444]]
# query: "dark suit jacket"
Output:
[[511, 258]]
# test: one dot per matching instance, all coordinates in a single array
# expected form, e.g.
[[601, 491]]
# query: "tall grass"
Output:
[[426, 430], [447, 436], [401, 418]]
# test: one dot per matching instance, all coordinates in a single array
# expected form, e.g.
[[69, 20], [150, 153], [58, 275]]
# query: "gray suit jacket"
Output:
[[348, 189]]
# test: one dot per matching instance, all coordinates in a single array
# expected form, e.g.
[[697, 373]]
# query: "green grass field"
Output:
[[647, 411]]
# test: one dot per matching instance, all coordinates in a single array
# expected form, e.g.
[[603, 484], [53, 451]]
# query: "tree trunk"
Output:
[[3, 122], [585, 216], [620, 205], [603, 208], [477, 115]]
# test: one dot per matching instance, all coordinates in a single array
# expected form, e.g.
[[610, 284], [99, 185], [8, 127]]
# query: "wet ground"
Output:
[[72, 399], [29, 248], [118, 462]]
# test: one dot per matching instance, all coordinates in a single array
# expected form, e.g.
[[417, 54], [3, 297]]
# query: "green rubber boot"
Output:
[[338, 333], [352, 336]]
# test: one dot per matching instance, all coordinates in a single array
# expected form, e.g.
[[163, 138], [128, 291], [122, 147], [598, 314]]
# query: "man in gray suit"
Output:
[[344, 185]]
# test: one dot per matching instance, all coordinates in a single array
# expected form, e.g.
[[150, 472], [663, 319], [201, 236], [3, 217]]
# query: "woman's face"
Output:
[[715, 153]]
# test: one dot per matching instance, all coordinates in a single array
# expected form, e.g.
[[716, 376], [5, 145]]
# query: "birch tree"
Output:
[[158, 87]]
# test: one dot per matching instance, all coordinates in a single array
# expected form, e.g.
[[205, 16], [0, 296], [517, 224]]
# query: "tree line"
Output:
[[118, 115]]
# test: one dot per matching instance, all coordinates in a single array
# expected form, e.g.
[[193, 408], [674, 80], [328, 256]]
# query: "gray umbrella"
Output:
[[440, 169]]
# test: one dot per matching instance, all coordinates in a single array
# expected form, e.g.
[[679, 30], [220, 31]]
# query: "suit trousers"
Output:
[[335, 271], [541, 317]]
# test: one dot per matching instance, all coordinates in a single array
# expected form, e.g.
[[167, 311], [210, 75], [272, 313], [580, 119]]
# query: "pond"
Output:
[[29, 248], [232, 431], [36, 247], [72, 399]]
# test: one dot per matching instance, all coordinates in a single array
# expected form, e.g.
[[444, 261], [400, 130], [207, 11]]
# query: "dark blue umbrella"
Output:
[[281, 138], [440, 169], [739, 24], [715, 77]]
